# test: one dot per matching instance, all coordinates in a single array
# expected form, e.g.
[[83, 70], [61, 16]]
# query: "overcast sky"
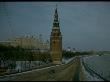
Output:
[[84, 25]]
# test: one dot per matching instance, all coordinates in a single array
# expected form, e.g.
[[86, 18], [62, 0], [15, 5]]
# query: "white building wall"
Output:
[[29, 42]]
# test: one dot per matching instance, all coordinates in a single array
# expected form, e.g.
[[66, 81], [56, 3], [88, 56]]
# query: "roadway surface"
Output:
[[76, 76]]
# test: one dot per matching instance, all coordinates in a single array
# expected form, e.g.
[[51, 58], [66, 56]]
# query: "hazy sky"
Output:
[[84, 25]]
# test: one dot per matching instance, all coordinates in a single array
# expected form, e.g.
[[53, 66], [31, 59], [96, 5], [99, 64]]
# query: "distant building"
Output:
[[27, 42], [69, 49], [74, 50]]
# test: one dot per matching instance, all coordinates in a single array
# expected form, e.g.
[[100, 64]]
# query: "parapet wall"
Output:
[[63, 72]]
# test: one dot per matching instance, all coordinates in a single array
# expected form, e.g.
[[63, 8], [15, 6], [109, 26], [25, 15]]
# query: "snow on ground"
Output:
[[100, 64], [65, 61]]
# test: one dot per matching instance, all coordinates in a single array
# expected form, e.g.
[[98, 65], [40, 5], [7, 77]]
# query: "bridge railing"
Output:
[[92, 72]]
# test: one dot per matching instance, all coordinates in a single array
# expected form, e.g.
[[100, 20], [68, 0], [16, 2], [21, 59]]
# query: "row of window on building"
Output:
[[27, 42]]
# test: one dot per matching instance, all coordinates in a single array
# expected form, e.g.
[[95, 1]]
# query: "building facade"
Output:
[[27, 42], [56, 41]]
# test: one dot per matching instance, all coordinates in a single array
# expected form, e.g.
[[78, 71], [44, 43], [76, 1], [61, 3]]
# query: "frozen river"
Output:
[[100, 64]]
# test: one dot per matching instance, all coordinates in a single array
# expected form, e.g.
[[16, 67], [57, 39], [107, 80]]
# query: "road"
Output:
[[76, 76]]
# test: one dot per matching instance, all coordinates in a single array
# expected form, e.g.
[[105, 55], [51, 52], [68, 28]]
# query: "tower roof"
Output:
[[56, 21], [56, 15]]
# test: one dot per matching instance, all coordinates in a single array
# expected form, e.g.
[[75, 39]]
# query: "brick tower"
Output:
[[56, 41]]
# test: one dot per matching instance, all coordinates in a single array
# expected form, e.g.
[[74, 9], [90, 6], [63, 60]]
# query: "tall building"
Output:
[[56, 41]]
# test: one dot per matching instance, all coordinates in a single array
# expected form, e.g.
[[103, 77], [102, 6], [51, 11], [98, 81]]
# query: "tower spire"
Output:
[[56, 15], [56, 21]]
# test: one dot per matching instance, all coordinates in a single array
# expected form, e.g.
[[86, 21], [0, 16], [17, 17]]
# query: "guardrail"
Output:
[[92, 72]]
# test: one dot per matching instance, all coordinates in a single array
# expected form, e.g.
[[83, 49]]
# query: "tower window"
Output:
[[54, 42]]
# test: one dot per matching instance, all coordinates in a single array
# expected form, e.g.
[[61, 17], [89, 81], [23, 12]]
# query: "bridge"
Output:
[[71, 71]]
